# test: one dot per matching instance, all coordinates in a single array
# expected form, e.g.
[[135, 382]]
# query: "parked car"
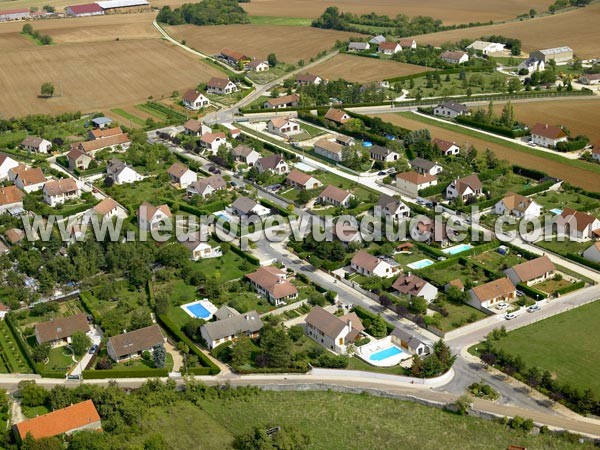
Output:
[[502, 306], [534, 308], [93, 349], [520, 294], [510, 316], [381, 173]]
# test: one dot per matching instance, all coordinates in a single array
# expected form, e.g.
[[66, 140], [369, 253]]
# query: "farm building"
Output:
[[485, 48], [455, 57], [87, 9], [14, 14], [558, 54], [590, 79], [119, 6]]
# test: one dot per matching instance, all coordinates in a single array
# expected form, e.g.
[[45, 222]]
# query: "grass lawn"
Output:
[[563, 247], [459, 315], [153, 112], [446, 274], [414, 255], [330, 178], [224, 269], [129, 116], [565, 344], [497, 262], [149, 189], [11, 356], [60, 358], [568, 199], [552, 285], [479, 82], [139, 363], [264, 77], [355, 363], [507, 183], [13, 137]]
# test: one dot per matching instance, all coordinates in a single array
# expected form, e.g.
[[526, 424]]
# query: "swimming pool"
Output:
[[385, 353], [200, 309], [421, 264], [556, 211], [367, 144], [457, 249], [223, 215]]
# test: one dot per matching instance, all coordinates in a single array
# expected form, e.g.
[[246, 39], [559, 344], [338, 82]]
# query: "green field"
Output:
[[126, 115], [287, 21], [11, 358], [566, 345]]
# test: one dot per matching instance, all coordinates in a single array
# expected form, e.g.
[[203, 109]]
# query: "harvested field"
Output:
[[290, 44], [575, 175], [361, 69], [95, 76], [578, 29]]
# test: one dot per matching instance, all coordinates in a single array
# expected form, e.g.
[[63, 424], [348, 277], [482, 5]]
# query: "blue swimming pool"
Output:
[[385, 353], [421, 264], [556, 211], [198, 311], [457, 249]]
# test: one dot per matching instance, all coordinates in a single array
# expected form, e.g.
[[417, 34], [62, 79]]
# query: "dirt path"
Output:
[[177, 358], [16, 413]]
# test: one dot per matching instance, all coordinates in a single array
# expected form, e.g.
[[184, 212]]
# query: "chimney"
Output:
[[349, 323]]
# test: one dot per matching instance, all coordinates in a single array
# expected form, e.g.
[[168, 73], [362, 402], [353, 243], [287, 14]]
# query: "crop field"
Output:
[[361, 69], [289, 43], [578, 29], [576, 175]]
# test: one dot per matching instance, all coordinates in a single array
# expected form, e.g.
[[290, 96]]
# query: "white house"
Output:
[[426, 167], [455, 57], [336, 115], [389, 48], [212, 141], [578, 225], [11, 198], [151, 217], [408, 43], [284, 101], [450, 109], [28, 180], [283, 126], [121, 173], [36, 144], [383, 154], [195, 100], [517, 205], [332, 332], [57, 192], [258, 65], [274, 163], [547, 135], [593, 252], [207, 186], [301, 180], [200, 248], [6, 163], [596, 151], [487, 295], [336, 196], [410, 183], [411, 342], [229, 328], [485, 48], [182, 175], [358, 46], [273, 284], [531, 272], [531, 65], [393, 208], [414, 286], [245, 154], [371, 266], [329, 149], [195, 127], [244, 206], [464, 188], [446, 148], [220, 86], [307, 79]]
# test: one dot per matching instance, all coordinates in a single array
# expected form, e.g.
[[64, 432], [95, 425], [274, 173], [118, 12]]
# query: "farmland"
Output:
[[553, 165], [578, 29], [289, 43], [359, 69]]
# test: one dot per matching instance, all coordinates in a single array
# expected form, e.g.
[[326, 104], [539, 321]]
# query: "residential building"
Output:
[[596, 151], [410, 183], [107, 208], [457, 283], [28, 180], [76, 417], [336, 196], [414, 344], [226, 312], [346, 141], [450, 109], [358, 46], [307, 79], [301, 180], [329, 149], [408, 43], [590, 79], [196, 128], [455, 57], [258, 65], [225, 330], [207, 186], [376, 40], [14, 236], [11, 198], [447, 148], [200, 248], [371, 266], [389, 48], [151, 217], [426, 167], [274, 163], [487, 295], [57, 192], [220, 86], [531, 65], [132, 344], [383, 154], [558, 54], [547, 135], [413, 286], [121, 173], [6, 163], [464, 188], [233, 57], [181, 174], [114, 142], [212, 141], [99, 133], [332, 332], [485, 48], [58, 332], [285, 101], [429, 231], [244, 206], [531, 272], [195, 100], [273, 284], [593, 252], [78, 159], [393, 208], [284, 127], [87, 9], [376, 86], [578, 225], [336, 115], [245, 154], [101, 122], [517, 205], [36, 144]]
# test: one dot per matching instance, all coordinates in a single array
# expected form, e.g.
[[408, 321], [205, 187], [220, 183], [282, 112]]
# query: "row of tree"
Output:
[[206, 12]]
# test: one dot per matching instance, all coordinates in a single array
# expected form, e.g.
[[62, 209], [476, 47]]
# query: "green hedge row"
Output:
[[570, 288], [364, 314], [241, 371], [529, 173], [581, 260], [110, 374], [282, 211], [496, 129], [85, 301], [22, 346], [88, 172], [235, 249], [440, 72], [532, 292]]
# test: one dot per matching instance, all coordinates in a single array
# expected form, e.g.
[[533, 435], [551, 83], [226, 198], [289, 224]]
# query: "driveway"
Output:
[[95, 334]]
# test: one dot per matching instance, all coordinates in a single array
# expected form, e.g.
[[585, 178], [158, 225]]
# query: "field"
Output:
[[362, 70], [578, 29], [550, 345], [290, 44], [553, 165]]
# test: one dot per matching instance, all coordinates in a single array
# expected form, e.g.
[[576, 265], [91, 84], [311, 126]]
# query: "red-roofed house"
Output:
[[272, 283], [151, 217], [366, 264], [547, 135], [389, 48], [464, 188], [410, 183], [220, 86], [336, 196], [447, 148], [87, 9], [195, 100]]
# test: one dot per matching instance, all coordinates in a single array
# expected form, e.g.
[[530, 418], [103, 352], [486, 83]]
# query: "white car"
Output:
[[534, 308], [510, 316], [502, 306], [520, 294]]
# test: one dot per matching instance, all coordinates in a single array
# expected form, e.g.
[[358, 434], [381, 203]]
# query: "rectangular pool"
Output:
[[556, 211], [200, 309], [385, 353], [421, 264], [457, 249]]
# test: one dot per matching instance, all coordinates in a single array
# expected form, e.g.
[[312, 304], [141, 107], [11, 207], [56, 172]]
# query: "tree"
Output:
[[276, 346], [27, 29], [47, 89], [296, 332], [514, 85], [303, 197], [80, 343], [508, 115], [377, 327], [241, 351], [89, 440], [31, 394], [40, 352], [160, 356], [47, 443], [419, 305], [140, 318], [532, 12], [456, 295], [272, 59]]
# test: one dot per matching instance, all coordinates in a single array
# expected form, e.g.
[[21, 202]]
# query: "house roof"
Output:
[[32, 141], [379, 150], [60, 421], [177, 170], [209, 138], [272, 280], [106, 132], [279, 122], [453, 56], [283, 100], [149, 210], [595, 148], [359, 45], [365, 260], [481, 45], [226, 312], [243, 150], [424, 164], [61, 328], [270, 162], [121, 3], [233, 54], [97, 144], [5, 157], [14, 11], [105, 206], [443, 145], [298, 177], [257, 62], [472, 181], [14, 235], [457, 107], [530, 270], [416, 178], [343, 138], [306, 78], [31, 176], [579, 219], [335, 193], [244, 323], [411, 340], [60, 187], [457, 282], [214, 181], [332, 147], [101, 120], [193, 125], [75, 153], [9, 195], [336, 115], [377, 39], [219, 83], [325, 322], [389, 203], [548, 131], [407, 42], [136, 341], [388, 45], [517, 202], [243, 204], [494, 289], [555, 50], [409, 284], [87, 8], [591, 76], [191, 95], [115, 165]]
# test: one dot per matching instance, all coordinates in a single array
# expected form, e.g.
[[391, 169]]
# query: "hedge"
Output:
[[440, 72], [503, 131], [532, 292], [22, 346], [364, 314], [241, 371], [235, 249], [433, 190], [134, 373], [581, 260], [570, 288], [88, 172], [529, 173], [282, 211], [84, 297]]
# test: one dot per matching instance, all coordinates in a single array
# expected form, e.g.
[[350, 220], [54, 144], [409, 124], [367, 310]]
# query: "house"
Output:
[[393, 208], [457, 283], [228, 329], [389, 48], [346, 141], [226, 312], [446, 148], [408, 43], [195, 100], [558, 54], [333, 195], [78, 159], [75, 417], [578, 225], [371, 266], [273, 284], [531, 65], [410, 342], [450, 109], [517, 205], [220, 86], [59, 331], [307, 79], [531, 272], [590, 79], [181, 174], [112, 142], [244, 206], [6, 163], [376, 86], [383, 154], [245, 154], [274, 163], [233, 57], [426, 167], [3, 308], [87, 9], [547, 135], [358, 46], [301, 180], [413, 286], [11, 198], [151, 217], [337, 115], [14, 235], [485, 48], [283, 126], [200, 248], [487, 295], [196, 128], [464, 188], [101, 122], [132, 344], [121, 173], [376, 40], [596, 151], [332, 332], [329, 149], [207, 186], [285, 101], [454, 57], [36, 144], [593, 252], [14, 14], [212, 141], [99, 133], [107, 208], [57, 192], [410, 183], [258, 65], [28, 180]]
